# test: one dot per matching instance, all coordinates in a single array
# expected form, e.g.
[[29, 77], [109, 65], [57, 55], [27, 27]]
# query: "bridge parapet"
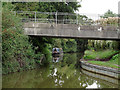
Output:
[[70, 25], [72, 31]]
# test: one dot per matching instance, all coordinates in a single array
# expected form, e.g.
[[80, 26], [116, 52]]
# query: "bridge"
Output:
[[74, 27]]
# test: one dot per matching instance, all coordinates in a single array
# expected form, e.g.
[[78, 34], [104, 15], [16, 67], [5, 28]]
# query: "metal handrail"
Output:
[[56, 20], [49, 13], [64, 21]]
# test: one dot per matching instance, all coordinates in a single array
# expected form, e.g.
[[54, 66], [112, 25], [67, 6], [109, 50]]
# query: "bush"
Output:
[[115, 57], [99, 54], [17, 52], [88, 57]]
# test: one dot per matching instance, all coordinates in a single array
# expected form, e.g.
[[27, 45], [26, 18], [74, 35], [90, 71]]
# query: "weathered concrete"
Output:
[[100, 69], [105, 79], [71, 31]]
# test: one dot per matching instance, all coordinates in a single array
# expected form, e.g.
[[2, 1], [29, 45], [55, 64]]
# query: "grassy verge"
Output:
[[90, 54], [106, 64], [113, 62]]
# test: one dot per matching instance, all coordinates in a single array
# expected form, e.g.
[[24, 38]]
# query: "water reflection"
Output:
[[59, 75], [94, 85], [57, 58]]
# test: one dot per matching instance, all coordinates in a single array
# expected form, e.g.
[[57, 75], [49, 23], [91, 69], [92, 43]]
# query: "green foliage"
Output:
[[84, 20], [109, 14], [57, 43], [113, 63], [69, 7], [115, 59], [43, 46], [82, 45], [17, 52], [102, 55], [69, 45], [91, 54], [88, 57], [103, 44], [47, 6], [109, 18], [106, 64]]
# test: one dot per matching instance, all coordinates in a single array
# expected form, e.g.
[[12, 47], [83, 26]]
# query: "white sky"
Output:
[[95, 7]]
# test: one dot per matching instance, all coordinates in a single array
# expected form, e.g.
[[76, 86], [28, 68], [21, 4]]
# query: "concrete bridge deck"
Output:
[[72, 31]]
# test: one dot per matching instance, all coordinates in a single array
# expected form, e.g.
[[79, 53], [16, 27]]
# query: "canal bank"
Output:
[[107, 71], [105, 79]]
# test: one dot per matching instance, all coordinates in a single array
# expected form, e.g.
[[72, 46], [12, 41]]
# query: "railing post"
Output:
[[77, 19], [56, 18], [15, 13], [35, 17]]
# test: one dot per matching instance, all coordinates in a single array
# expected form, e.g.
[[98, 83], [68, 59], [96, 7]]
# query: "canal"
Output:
[[62, 72]]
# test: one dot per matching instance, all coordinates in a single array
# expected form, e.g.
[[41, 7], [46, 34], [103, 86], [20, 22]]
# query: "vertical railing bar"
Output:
[[56, 17], [15, 13], [35, 17], [76, 18]]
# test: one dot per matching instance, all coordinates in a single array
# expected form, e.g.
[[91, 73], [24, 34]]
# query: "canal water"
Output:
[[61, 73]]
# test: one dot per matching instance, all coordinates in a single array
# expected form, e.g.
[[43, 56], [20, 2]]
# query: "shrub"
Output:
[[17, 52]]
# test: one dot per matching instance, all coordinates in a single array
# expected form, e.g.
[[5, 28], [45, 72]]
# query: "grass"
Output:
[[113, 63], [91, 54], [106, 64]]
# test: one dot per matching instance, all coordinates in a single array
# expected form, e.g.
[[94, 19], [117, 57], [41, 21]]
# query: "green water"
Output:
[[61, 73]]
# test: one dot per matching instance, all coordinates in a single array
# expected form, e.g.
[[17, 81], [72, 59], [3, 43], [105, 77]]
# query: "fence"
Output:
[[64, 18]]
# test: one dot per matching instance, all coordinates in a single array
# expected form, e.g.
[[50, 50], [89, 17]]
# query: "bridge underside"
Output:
[[48, 36], [71, 31]]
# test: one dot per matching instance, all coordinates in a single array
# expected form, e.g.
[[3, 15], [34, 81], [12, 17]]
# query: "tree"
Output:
[[81, 45], [17, 52], [109, 14], [68, 7], [109, 18], [47, 6]]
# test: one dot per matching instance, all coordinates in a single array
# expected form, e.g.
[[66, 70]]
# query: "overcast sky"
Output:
[[93, 7]]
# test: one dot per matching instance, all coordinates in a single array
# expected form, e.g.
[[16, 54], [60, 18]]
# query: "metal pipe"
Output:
[[35, 17], [56, 17], [76, 18]]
